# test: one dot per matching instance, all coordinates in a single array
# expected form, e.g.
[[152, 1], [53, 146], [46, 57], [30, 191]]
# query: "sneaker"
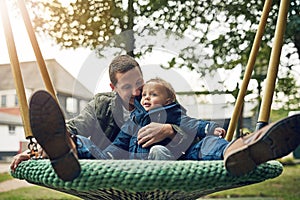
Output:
[[48, 128], [271, 142]]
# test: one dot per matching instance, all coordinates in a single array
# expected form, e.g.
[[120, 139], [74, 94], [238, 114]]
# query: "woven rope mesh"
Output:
[[135, 179]]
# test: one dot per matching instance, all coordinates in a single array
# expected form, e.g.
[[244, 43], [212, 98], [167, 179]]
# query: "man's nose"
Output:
[[136, 91]]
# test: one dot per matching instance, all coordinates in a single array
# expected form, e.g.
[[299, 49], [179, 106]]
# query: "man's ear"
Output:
[[112, 86]]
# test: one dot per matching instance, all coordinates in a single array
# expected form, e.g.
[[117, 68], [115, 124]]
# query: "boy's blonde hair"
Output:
[[170, 90]]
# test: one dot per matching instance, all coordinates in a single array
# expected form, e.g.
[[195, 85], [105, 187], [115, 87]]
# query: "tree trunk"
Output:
[[130, 35]]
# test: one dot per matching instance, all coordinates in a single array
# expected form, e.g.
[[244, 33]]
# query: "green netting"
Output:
[[135, 179]]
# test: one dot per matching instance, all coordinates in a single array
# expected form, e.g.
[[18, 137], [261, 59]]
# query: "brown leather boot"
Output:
[[48, 127], [72, 144], [271, 142]]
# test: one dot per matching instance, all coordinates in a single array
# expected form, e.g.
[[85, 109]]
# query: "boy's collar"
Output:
[[139, 106]]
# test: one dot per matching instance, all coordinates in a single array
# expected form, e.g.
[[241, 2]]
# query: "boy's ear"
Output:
[[168, 101]]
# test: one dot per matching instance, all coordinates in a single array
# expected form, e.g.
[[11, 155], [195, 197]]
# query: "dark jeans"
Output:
[[86, 149], [209, 148]]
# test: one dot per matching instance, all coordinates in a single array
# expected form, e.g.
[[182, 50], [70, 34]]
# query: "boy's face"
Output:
[[128, 86], [154, 95]]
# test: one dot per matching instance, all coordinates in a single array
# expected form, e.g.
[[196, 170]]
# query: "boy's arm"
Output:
[[191, 128]]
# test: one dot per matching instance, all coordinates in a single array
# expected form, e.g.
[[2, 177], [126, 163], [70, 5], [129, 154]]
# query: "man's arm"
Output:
[[25, 155], [187, 131], [85, 123], [156, 132], [17, 159]]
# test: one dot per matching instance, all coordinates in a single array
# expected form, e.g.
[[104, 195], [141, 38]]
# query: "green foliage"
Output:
[[278, 114], [226, 28]]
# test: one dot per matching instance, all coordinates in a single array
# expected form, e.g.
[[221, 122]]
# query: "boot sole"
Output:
[[281, 139], [48, 128]]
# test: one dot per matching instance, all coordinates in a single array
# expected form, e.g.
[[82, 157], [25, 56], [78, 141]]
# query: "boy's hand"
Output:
[[220, 132]]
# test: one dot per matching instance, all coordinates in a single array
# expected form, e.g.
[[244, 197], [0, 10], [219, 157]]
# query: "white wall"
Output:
[[11, 142], [11, 95]]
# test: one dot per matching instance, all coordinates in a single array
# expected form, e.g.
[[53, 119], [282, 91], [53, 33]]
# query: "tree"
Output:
[[226, 28]]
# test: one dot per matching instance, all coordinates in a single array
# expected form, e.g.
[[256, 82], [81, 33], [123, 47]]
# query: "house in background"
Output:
[[12, 134], [72, 95]]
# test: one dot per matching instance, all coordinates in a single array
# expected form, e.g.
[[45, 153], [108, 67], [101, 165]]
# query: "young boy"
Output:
[[158, 104]]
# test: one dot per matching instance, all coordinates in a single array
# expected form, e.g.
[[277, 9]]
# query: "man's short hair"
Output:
[[121, 64]]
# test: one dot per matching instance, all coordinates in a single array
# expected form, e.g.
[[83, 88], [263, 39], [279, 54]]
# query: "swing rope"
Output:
[[248, 71]]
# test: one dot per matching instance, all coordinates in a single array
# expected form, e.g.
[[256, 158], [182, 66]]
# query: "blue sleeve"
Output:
[[196, 127]]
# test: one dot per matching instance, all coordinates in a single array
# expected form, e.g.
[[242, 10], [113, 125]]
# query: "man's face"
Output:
[[129, 86]]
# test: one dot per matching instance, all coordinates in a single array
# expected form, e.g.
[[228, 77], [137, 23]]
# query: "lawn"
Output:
[[5, 176], [35, 193], [284, 187]]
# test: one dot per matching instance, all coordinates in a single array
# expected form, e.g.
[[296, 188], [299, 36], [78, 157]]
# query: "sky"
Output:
[[70, 59]]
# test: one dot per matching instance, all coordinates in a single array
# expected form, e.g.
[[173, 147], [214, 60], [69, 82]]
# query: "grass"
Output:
[[5, 176], [284, 187], [36, 193]]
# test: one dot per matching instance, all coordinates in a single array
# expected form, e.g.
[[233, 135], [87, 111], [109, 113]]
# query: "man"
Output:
[[104, 115], [100, 121]]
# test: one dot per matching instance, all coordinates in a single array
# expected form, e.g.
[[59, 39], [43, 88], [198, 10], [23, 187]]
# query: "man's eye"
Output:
[[126, 87], [139, 84]]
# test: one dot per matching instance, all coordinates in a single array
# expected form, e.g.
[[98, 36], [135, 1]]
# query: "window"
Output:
[[71, 105], [82, 104], [16, 100], [3, 101], [11, 129]]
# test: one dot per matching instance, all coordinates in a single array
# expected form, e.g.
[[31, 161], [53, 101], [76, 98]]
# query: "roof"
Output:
[[10, 119], [62, 80], [12, 111]]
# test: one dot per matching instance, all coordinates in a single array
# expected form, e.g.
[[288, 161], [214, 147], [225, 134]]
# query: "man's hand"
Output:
[[17, 159], [153, 133]]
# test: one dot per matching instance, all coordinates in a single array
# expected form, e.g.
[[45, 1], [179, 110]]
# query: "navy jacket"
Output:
[[125, 145]]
